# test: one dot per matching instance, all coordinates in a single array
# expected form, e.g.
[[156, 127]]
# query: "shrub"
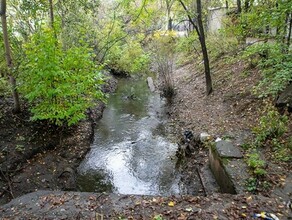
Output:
[[220, 44], [271, 125], [162, 50], [59, 84], [128, 57], [4, 87], [275, 67]]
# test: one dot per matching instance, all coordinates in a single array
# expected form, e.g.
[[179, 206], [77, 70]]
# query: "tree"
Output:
[[169, 4], [60, 84], [51, 13], [8, 57], [238, 6], [204, 48], [200, 31]]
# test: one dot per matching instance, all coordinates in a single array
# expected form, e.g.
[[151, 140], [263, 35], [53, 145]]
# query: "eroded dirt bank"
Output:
[[39, 156]]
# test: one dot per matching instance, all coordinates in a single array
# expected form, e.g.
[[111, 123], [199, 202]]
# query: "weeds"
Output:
[[270, 132], [163, 50], [255, 162], [4, 87], [20, 148], [271, 126], [275, 67], [251, 184]]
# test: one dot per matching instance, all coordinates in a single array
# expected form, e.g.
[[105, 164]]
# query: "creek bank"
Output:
[[227, 112], [40, 156], [76, 205]]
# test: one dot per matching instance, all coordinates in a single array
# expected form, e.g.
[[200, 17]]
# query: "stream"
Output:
[[131, 152]]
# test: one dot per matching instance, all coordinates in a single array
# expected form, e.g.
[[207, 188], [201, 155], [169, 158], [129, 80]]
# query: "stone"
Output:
[[285, 98], [226, 149], [229, 170], [150, 84]]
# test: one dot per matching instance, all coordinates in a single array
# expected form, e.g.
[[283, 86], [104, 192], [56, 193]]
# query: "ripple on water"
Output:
[[128, 155]]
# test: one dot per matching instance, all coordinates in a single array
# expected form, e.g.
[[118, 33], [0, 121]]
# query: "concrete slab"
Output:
[[226, 149]]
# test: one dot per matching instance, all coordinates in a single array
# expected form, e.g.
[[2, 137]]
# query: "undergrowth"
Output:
[[274, 64], [4, 87], [271, 134]]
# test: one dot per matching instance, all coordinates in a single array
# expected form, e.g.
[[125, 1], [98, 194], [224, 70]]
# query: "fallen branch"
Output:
[[7, 179], [201, 181]]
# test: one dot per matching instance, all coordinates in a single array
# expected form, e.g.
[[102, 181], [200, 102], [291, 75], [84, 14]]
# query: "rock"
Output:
[[150, 84], [285, 98], [67, 179], [230, 171], [226, 149]]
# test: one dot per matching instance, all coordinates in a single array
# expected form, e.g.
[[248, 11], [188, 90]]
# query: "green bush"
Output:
[[129, 58], [220, 44], [271, 125], [59, 84], [188, 47], [275, 67]]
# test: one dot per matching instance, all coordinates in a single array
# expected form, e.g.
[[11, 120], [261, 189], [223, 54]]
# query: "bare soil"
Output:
[[41, 156], [231, 111]]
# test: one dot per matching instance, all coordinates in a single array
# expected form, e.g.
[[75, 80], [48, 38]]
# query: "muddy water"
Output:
[[131, 153]]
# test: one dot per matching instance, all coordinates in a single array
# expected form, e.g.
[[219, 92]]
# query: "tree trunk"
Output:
[[239, 6], [289, 32], [245, 5], [200, 31], [9, 57], [51, 13], [52, 19], [170, 24], [226, 4], [204, 48], [169, 18]]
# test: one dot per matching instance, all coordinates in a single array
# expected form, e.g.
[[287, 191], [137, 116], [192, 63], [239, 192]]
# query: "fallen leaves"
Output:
[[171, 204]]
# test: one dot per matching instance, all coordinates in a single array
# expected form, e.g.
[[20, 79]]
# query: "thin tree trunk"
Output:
[[289, 32], [239, 6], [51, 13], [246, 5], [200, 31], [8, 57], [169, 4], [226, 4], [52, 19], [204, 49], [170, 24]]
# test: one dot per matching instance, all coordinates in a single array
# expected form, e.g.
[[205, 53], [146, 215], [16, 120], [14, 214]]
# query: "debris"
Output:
[[188, 136], [205, 137], [267, 216], [189, 209], [171, 204], [218, 139]]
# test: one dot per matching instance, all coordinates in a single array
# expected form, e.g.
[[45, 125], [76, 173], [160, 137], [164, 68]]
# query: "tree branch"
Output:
[[190, 19]]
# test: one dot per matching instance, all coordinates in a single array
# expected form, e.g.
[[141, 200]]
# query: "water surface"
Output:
[[131, 153]]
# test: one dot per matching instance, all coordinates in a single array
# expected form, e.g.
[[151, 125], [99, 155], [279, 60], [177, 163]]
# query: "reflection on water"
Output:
[[130, 155]]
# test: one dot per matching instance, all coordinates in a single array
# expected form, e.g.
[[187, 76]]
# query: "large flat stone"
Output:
[[229, 170], [226, 149]]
